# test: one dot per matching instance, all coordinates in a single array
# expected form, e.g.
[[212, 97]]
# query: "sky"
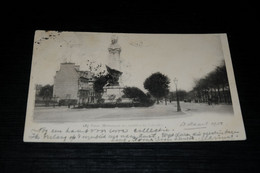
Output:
[[183, 56]]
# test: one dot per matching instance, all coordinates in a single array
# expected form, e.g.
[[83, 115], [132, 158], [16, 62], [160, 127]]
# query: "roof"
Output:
[[82, 74], [85, 74]]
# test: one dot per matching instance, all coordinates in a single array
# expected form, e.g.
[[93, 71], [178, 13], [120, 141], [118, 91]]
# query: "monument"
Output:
[[113, 90]]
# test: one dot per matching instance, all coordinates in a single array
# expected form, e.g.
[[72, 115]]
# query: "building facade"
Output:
[[72, 84]]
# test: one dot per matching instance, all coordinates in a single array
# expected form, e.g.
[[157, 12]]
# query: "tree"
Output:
[[158, 85], [171, 96], [96, 68], [99, 83], [135, 93], [213, 86], [46, 93], [182, 94]]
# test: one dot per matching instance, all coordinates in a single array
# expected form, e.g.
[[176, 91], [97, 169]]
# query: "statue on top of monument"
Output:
[[114, 39], [114, 47]]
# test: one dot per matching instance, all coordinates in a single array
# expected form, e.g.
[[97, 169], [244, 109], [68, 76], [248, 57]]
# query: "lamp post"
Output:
[[177, 97]]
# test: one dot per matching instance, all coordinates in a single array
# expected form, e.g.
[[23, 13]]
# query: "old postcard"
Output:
[[115, 87]]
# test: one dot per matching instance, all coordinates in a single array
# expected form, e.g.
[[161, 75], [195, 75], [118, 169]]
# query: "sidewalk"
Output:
[[161, 111]]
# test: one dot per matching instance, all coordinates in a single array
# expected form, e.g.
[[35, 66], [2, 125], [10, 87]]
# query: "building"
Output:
[[38, 88], [71, 84]]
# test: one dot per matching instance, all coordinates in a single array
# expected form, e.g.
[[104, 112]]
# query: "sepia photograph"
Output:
[[130, 87], [161, 82]]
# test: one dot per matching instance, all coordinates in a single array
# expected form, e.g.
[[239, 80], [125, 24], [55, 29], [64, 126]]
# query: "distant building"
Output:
[[72, 84], [38, 88]]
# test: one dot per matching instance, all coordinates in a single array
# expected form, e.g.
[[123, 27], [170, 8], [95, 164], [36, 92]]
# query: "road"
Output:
[[161, 111]]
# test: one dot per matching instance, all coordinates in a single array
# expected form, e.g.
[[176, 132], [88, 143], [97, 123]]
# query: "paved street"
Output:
[[161, 111]]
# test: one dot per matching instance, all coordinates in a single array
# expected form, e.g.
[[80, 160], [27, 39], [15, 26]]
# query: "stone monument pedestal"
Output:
[[112, 93]]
